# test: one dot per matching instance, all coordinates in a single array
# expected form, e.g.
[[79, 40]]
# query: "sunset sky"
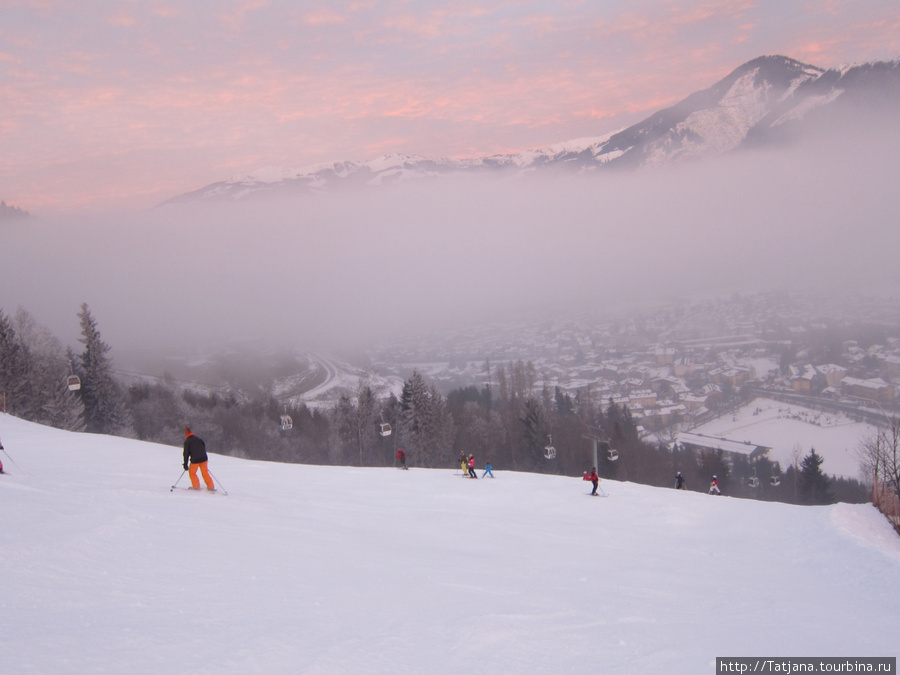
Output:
[[121, 105]]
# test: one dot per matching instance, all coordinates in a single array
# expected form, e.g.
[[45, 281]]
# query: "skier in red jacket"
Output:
[[594, 478], [402, 457]]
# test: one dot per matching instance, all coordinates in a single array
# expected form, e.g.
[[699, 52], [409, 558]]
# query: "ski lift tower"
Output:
[[599, 438]]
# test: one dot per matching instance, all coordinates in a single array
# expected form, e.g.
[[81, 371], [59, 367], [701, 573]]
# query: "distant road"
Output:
[[330, 371]]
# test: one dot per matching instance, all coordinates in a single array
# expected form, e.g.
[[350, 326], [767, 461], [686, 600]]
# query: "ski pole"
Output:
[[219, 483], [10, 458], [179, 478]]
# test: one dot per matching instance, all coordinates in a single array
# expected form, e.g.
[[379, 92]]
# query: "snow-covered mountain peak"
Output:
[[267, 174], [767, 100]]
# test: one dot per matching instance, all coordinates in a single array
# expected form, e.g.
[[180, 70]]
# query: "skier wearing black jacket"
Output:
[[195, 457]]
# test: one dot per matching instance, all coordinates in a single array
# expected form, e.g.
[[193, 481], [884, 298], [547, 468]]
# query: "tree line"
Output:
[[510, 422]]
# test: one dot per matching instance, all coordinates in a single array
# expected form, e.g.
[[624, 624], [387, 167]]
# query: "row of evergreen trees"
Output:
[[34, 369], [510, 422]]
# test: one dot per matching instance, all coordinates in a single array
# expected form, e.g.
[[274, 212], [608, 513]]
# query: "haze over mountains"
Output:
[[782, 175], [771, 100]]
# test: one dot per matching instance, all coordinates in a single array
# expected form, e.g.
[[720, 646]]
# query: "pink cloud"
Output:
[[166, 12], [123, 19], [306, 84], [234, 20], [709, 11], [323, 16], [409, 23]]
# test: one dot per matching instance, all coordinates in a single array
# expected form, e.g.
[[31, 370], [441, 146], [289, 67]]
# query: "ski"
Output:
[[191, 489]]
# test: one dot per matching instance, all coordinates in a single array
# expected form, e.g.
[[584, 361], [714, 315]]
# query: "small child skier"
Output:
[[714, 486], [488, 470]]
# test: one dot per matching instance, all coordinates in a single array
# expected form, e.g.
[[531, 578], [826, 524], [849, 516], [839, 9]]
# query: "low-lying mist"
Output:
[[341, 270]]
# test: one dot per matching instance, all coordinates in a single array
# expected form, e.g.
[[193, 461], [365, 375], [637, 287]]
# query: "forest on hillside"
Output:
[[511, 423]]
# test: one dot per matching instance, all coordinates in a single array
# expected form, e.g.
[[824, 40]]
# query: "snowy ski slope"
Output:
[[315, 570]]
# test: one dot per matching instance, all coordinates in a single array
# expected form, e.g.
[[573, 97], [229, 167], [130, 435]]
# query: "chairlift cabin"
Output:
[[549, 450], [384, 429], [612, 454], [754, 481], [73, 383], [775, 481], [286, 423]]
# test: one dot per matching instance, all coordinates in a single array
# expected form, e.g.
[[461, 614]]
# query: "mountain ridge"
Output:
[[768, 100]]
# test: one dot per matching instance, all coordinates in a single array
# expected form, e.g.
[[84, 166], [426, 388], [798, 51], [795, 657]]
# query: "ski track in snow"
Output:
[[319, 569]]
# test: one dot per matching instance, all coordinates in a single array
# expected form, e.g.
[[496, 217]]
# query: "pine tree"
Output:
[[47, 367], [535, 428], [426, 425], [364, 422], [104, 412], [440, 430], [15, 392], [413, 412], [814, 485]]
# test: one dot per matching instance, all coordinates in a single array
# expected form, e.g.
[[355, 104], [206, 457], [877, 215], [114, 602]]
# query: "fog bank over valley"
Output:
[[344, 269]]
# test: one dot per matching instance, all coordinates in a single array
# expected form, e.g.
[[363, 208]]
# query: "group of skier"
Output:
[[196, 459], [467, 465], [713, 486]]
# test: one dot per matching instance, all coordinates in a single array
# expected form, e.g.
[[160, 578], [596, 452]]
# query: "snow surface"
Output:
[[313, 569], [724, 126], [786, 428], [808, 104], [395, 166]]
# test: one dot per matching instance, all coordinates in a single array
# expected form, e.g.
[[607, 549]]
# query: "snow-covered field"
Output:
[[308, 569], [786, 428]]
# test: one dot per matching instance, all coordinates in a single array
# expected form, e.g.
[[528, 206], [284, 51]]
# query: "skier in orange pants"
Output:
[[195, 456]]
